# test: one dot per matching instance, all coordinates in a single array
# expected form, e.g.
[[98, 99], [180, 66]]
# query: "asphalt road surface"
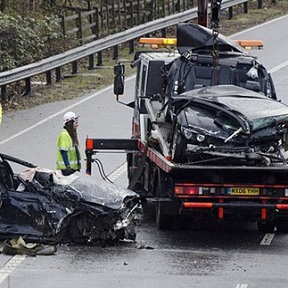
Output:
[[230, 256]]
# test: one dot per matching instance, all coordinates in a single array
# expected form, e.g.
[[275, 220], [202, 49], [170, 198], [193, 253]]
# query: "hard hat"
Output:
[[69, 116]]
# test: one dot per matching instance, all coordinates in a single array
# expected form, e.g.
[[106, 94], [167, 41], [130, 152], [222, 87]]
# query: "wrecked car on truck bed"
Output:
[[226, 124]]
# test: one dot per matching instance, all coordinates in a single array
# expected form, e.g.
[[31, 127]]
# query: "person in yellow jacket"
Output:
[[68, 156]]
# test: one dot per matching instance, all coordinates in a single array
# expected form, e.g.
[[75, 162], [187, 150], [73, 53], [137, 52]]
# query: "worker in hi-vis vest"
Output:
[[68, 156]]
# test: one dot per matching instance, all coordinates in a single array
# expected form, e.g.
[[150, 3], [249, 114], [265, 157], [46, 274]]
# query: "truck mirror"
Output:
[[119, 70]]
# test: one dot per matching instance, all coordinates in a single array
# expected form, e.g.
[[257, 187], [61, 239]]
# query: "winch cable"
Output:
[[215, 9]]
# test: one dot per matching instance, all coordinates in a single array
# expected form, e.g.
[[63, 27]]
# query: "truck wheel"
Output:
[[267, 227], [282, 225]]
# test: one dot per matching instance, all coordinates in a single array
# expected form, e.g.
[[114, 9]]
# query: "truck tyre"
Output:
[[267, 227], [163, 221], [282, 225]]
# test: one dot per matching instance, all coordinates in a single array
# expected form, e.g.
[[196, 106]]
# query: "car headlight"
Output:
[[188, 134], [191, 135]]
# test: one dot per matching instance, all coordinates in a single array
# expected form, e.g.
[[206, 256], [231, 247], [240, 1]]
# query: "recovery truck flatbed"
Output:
[[197, 147]]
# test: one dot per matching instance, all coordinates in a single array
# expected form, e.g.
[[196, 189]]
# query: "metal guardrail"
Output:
[[54, 62]]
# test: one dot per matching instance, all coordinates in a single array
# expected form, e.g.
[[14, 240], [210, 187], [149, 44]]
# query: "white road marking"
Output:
[[11, 265], [118, 172], [242, 286], [278, 67], [260, 25], [267, 239], [59, 113]]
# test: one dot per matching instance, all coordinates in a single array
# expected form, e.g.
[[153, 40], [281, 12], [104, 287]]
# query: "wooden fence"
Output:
[[111, 16], [115, 16]]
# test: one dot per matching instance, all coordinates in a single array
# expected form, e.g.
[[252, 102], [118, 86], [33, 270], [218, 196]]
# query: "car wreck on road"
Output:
[[43, 206]]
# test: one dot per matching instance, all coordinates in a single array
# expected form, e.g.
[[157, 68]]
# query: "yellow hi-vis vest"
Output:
[[64, 142]]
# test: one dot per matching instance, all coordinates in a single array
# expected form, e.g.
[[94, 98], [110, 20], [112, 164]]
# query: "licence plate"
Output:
[[243, 191]]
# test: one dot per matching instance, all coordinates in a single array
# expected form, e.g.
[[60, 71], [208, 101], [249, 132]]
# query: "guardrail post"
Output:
[[230, 13], [131, 46], [28, 86], [91, 62], [58, 74], [99, 59], [48, 78], [245, 7], [75, 67], [3, 92], [115, 52]]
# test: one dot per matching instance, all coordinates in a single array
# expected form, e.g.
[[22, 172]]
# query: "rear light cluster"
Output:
[[193, 190], [190, 189]]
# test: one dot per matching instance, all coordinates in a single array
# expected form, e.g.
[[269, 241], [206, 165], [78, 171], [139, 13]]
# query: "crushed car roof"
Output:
[[239, 99]]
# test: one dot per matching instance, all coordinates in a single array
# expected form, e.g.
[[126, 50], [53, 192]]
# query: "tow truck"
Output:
[[209, 135]]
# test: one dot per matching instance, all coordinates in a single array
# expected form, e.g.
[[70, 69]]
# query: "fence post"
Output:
[[259, 4], [79, 24], [63, 25], [96, 19]]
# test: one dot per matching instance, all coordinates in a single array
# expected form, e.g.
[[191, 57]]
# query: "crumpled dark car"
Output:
[[41, 206], [227, 124]]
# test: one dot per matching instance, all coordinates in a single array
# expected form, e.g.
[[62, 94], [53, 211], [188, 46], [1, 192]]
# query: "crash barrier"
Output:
[[25, 73]]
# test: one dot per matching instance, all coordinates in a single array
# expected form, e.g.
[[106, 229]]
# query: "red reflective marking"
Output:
[[197, 205], [282, 206], [221, 210]]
